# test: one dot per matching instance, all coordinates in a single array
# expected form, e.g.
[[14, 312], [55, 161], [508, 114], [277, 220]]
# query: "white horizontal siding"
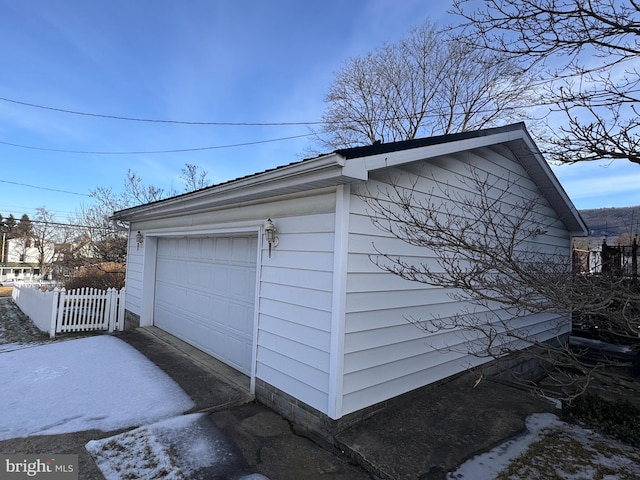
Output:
[[385, 355], [404, 380], [306, 392], [295, 309], [307, 334], [133, 275]]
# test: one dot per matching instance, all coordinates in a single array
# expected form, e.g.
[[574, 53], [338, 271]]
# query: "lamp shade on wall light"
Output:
[[270, 234]]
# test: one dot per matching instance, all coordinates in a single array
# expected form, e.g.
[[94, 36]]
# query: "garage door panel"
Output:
[[239, 252], [239, 282], [221, 250], [205, 293], [241, 312]]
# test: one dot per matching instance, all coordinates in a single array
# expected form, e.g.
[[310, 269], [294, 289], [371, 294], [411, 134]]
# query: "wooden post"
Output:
[[122, 296], [604, 258], [110, 309], [634, 260], [55, 298]]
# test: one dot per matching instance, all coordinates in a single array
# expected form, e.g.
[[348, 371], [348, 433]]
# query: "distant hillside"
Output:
[[612, 222]]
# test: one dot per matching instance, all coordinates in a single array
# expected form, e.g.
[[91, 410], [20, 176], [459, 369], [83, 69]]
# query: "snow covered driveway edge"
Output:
[[185, 447], [90, 383]]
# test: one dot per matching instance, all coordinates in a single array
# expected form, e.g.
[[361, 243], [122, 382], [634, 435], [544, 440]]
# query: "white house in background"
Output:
[[319, 329], [20, 258]]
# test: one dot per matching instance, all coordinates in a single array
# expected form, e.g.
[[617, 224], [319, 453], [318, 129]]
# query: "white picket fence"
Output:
[[83, 309]]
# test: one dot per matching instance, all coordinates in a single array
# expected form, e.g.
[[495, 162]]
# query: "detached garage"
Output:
[[272, 273]]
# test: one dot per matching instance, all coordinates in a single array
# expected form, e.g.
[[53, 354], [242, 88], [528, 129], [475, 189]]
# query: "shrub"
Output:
[[102, 276], [618, 419]]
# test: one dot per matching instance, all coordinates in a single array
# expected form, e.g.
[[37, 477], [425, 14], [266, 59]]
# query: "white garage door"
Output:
[[205, 294]]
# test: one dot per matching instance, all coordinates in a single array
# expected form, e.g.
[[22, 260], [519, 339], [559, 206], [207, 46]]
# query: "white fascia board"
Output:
[[400, 157], [318, 172], [355, 168]]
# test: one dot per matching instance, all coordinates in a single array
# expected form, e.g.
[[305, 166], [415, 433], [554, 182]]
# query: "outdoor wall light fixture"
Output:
[[539, 231], [270, 235], [139, 239]]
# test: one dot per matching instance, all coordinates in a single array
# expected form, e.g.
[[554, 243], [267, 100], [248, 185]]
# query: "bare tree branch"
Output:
[[587, 52]]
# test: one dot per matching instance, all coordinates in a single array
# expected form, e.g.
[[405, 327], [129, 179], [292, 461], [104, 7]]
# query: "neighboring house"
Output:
[[72, 255], [319, 329], [20, 259]]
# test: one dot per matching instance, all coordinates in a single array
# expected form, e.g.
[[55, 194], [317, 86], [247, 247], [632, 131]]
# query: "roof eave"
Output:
[[327, 170]]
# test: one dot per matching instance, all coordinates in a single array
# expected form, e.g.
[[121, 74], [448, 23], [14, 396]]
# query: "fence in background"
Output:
[[615, 260], [83, 309]]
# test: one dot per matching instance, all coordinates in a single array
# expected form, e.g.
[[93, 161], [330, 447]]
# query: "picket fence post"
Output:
[[121, 304], [55, 296], [60, 310], [111, 308]]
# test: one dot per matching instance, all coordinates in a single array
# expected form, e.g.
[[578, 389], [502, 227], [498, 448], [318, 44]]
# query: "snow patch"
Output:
[[90, 383], [487, 466], [597, 451], [185, 447]]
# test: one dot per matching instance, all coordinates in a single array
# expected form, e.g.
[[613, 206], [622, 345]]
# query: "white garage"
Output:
[[330, 335], [205, 294]]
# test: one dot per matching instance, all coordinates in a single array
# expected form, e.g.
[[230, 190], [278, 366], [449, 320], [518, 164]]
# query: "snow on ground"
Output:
[[90, 383], [16, 330], [489, 464], [186, 447], [554, 449], [100, 382]]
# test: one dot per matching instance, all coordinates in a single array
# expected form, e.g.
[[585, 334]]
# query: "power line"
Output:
[[33, 211], [149, 152], [69, 225], [244, 124], [45, 188], [72, 225], [155, 120]]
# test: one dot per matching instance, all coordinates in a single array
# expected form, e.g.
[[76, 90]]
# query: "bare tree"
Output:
[[109, 240], [194, 177], [136, 192], [482, 237], [22, 231], [47, 236], [429, 83], [586, 52]]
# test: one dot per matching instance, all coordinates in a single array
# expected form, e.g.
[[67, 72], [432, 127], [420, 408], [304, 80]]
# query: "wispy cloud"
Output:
[[598, 184]]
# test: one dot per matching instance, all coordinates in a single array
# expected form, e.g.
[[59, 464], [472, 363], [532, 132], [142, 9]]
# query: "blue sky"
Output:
[[212, 61]]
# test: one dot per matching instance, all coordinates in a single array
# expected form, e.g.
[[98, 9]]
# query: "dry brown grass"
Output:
[[577, 454], [5, 291]]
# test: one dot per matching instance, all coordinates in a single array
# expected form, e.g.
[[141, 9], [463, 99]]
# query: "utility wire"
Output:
[[45, 188], [244, 124], [149, 152], [72, 225], [155, 120]]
